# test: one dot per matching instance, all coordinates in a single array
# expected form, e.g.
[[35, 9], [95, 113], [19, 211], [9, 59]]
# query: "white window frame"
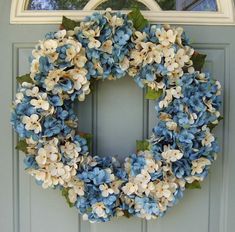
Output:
[[224, 15]]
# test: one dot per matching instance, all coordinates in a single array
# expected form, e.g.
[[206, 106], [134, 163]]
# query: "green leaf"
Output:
[[194, 185], [198, 60], [22, 146], [139, 22], [153, 94], [142, 145], [211, 126], [24, 78], [69, 24], [88, 138], [65, 193]]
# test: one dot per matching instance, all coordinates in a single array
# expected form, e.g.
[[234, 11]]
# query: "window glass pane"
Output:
[[56, 4], [179, 5]]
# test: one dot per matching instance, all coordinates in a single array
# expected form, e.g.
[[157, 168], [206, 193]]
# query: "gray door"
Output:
[[117, 115]]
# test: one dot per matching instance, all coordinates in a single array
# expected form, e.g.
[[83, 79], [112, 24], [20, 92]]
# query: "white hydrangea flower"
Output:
[[53, 78], [105, 190], [72, 196], [70, 149], [130, 188], [151, 165], [32, 123], [124, 65], [107, 46], [49, 46], [209, 138], [115, 21], [18, 98], [34, 68], [40, 104], [41, 158], [171, 125], [115, 185], [167, 100], [162, 189], [60, 34], [70, 53], [99, 209], [181, 57], [199, 165], [94, 43], [34, 92], [171, 155], [80, 59], [166, 37]]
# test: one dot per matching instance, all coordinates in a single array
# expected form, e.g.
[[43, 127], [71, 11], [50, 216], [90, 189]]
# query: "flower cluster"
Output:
[[107, 42], [159, 51], [57, 66], [181, 148]]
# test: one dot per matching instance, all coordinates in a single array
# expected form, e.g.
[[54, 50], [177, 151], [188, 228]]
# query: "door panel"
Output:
[[116, 114]]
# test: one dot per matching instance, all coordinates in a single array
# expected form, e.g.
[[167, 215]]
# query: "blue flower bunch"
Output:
[[186, 123], [57, 65], [37, 115], [102, 179], [107, 41]]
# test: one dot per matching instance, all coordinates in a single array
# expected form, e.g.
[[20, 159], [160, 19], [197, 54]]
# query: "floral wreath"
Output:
[[109, 46]]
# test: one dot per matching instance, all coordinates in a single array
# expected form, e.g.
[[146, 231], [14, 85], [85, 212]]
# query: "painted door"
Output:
[[117, 115]]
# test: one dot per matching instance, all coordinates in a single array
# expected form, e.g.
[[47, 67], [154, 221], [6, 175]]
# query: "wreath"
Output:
[[110, 46]]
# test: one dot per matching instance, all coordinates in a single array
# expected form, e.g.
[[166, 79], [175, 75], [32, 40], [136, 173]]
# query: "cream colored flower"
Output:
[[154, 56], [94, 43], [151, 165], [70, 53], [149, 188], [40, 104], [130, 188], [32, 123], [166, 37], [199, 165], [116, 21], [171, 64], [56, 169], [105, 190], [60, 34], [70, 149], [209, 138], [53, 78], [41, 158], [171, 155], [18, 98], [162, 190], [99, 209], [34, 68], [176, 92], [167, 100], [32, 92], [181, 57], [124, 65], [49, 46], [72, 196], [115, 185], [107, 46], [139, 37], [79, 188], [53, 57], [80, 59], [136, 58], [171, 125]]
